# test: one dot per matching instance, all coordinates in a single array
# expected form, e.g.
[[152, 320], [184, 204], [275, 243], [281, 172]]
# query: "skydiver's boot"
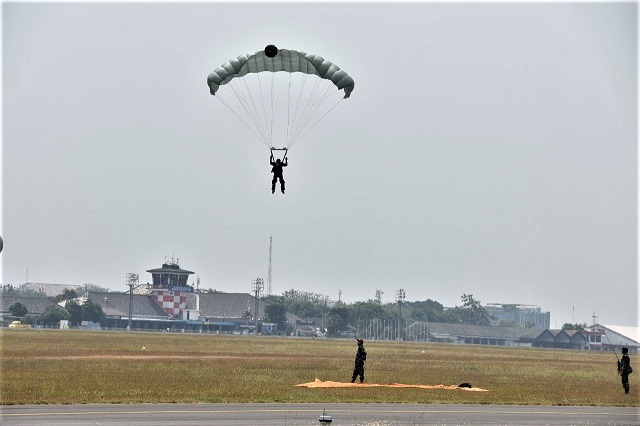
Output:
[[626, 390]]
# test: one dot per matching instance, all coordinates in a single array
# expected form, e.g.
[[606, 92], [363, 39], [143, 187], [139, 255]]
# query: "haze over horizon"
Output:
[[487, 149]]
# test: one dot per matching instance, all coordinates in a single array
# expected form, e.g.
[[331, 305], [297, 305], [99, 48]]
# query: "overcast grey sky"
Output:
[[487, 149]]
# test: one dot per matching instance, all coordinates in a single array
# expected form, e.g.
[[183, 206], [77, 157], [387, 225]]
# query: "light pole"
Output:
[[132, 281], [257, 286], [400, 296]]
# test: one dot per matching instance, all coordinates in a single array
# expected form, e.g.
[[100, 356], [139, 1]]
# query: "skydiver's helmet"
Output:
[[625, 350], [278, 161], [360, 342]]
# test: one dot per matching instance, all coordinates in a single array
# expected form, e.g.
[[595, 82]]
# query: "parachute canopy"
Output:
[[284, 60], [267, 106]]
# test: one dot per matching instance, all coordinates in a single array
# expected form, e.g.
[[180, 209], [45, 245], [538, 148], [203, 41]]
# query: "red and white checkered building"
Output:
[[169, 286], [171, 301]]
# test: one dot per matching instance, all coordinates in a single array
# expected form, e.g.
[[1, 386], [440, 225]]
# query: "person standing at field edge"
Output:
[[624, 369], [361, 357]]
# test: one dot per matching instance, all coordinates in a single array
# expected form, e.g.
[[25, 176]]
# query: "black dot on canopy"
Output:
[[270, 51]]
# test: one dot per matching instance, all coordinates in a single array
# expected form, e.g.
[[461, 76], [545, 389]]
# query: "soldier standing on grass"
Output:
[[624, 369], [361, 357]]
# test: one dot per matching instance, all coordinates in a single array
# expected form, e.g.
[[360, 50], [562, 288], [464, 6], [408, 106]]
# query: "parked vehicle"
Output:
[[19, 324]]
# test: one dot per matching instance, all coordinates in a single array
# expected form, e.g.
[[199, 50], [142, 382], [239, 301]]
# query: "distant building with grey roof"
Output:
[[116, 305], [34, 305], [49, 290], [595, 338]]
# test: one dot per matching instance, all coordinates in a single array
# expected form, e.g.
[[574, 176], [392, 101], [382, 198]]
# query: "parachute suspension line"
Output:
[[309, 109], [272, 103], [303, 111], [295, 115], [237, 91], [314, 124], [258, 116], [251, 109], [251, 113], [321, 100], [320, 95], [315, 103], [264, 111], [288, 108], [264, 130], [239, 118]]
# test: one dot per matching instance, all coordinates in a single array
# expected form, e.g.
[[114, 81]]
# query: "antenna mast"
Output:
[[269, 274]]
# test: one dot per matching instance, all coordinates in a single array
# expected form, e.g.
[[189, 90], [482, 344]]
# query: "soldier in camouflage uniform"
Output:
[[361, 357], [624, 369]]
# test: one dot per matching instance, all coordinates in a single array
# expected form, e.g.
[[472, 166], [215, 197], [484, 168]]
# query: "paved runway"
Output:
[[308, 414]]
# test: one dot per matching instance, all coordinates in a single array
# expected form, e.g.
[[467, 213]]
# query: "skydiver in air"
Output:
[[277, 172]]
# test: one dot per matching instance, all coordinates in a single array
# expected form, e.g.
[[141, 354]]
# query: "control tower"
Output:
[[169, 287]]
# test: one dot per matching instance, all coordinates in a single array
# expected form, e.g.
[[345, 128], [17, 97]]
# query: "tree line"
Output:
[[339, 317], [336, 317]]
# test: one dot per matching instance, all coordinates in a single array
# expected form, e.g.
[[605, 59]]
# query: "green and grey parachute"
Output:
[[280, 94]]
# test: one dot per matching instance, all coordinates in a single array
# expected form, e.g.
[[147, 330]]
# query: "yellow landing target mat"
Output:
[[317, 383]]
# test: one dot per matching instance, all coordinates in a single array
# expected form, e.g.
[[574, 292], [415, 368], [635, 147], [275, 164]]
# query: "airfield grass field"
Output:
[[77, 367]]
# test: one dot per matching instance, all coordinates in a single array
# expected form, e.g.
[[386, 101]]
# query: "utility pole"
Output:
[[198, 296], [132, 281], [400, 296], [257, 286], [269, 275]]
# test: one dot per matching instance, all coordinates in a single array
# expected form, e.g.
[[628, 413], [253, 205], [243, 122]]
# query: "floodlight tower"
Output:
[[132, 281], [257, 286], [400, 296]]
